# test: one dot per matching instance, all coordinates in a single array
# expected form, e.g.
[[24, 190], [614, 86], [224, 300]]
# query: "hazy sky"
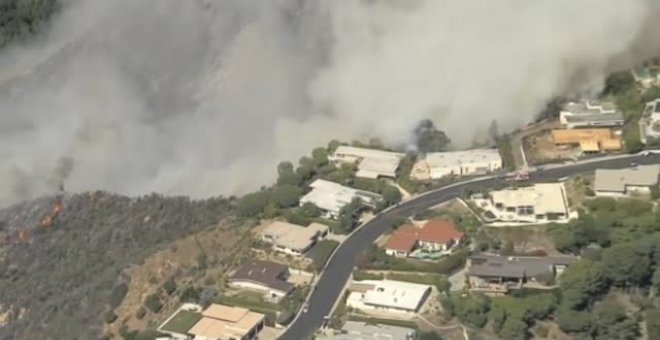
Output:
[[205, 97]]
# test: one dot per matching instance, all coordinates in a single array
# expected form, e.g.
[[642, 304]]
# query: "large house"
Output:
[[621, 182], [497, 274], [589, 140], [388, 296], [371, 163], [539, 203], [649, 124], [590, 114], [434, 236], [217, 322], [330, 197], [293, 239], [457, 163], [267, 277]]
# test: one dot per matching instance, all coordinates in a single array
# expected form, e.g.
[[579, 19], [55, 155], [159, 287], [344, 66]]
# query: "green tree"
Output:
[[472, 310], [333, 145], [611, 322], [391, 195], [572, 321], [169, 287], [626, 265], [309, 209], [153, 303], [320, 156], [582, 283], [514, 329], [429, 139], [349, 214], [21, 18], [652, 318], [286, 195], [286, 174], [253, 204]]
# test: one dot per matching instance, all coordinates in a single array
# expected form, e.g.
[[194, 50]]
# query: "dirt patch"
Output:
[[541, 149], [579, 189], [526, 239], [201, 259]]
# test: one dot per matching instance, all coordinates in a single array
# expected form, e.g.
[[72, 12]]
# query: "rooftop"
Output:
[[487, 265], [401, 241], [574, 136], [365, 153], [544, 197], [266, 273], [372, 163], [395, 294], [617, 180], [332, 196], [221, 322], [353, 330], [292, 236], [433, 231], [590, 107], [467, 157]]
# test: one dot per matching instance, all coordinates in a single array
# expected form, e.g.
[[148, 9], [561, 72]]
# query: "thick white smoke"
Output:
[[204, 97]]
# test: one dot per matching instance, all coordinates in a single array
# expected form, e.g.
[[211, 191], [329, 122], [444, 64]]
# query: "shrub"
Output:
[[110, 317], [141, 312], [153, 303], [169, 287], [117, 295]]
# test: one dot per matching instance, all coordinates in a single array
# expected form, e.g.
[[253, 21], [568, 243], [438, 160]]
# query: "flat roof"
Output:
[[364, 152], [220, 322], [332, 196], [467, 157], [354, 330], [291, 235], [616, 180], [265, 273], [587, 107], [596, 117], [395, 294], [544, 197], [490, 265], [372, 163]]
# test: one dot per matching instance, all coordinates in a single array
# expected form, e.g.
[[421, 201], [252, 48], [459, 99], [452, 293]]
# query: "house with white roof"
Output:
[[457, 163], [649, 124], [539, 203], [622, 182], [330, 197], [291, 238], [590, 113], [389, 296], [370, 163]]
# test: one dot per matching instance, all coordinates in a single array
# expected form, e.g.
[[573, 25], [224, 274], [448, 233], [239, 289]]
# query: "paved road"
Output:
[[340, 266]]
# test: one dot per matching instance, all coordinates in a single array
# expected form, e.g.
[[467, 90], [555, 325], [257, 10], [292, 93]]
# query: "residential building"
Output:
[[371, 163], [267, 277], [589, 140], [620, 182], [434, 236], [649, 124], [331, 197], [543, 202], [353, 330], [497, 274], [647, 77], [389, 296], [590, 114], [458, 163], [292, 238], [217, 322]]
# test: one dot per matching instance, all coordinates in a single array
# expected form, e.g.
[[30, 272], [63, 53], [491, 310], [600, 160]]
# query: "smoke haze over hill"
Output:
[[204, 97]]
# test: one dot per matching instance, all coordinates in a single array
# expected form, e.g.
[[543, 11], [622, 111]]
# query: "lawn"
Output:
[[182, 322], [377, 321], [321, 253], [250, 300]]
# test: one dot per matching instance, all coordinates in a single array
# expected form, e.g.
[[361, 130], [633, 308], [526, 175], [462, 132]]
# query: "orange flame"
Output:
[[22, 235]]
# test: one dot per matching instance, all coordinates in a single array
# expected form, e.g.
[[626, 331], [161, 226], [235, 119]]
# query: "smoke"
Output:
[[205, 97]]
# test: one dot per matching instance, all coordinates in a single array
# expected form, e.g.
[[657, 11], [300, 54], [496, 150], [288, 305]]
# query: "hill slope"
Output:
[[55, 281]]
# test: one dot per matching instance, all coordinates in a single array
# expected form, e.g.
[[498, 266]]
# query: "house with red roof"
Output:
[[434, 236]]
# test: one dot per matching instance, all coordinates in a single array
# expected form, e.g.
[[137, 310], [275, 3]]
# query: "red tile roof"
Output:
[[434, 231]]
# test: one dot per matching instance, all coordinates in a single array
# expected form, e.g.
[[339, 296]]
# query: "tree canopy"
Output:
[[20, 18], [429, 139]]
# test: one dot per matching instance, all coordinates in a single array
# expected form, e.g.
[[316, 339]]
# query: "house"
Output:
[[649, 124], [354, 330], [389, 296], [457, 163], [542, 202], [267, 277], [589, 140], [371, 163], [497, 274], [434, 236], [647, 77], [590, 114], [217, 322], [620, 182], [293, 239], [330, 197]]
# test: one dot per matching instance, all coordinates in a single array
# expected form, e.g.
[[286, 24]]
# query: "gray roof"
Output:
[[487, 265], [614, 117], [616, 180], [265, 273], [354, 330]]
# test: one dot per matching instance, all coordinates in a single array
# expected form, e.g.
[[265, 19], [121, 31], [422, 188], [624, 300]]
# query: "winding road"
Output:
[[338, 270]]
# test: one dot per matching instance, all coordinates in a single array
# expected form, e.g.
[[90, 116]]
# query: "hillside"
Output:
[[58, 266]]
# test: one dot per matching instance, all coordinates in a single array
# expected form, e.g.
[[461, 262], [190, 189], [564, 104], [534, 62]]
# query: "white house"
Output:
[[371, 163], [543, 202], [389, 296], [331, 197], [458, 163], [292, 238], [621, 182], [590, 114], [649, 124]]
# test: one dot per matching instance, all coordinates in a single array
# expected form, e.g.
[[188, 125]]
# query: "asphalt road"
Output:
[[340, 266]]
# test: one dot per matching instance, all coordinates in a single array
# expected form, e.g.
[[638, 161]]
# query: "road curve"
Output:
[[339, 268]]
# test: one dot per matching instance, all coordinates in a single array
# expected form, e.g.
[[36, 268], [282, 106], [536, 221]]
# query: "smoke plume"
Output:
[[204, 97]]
